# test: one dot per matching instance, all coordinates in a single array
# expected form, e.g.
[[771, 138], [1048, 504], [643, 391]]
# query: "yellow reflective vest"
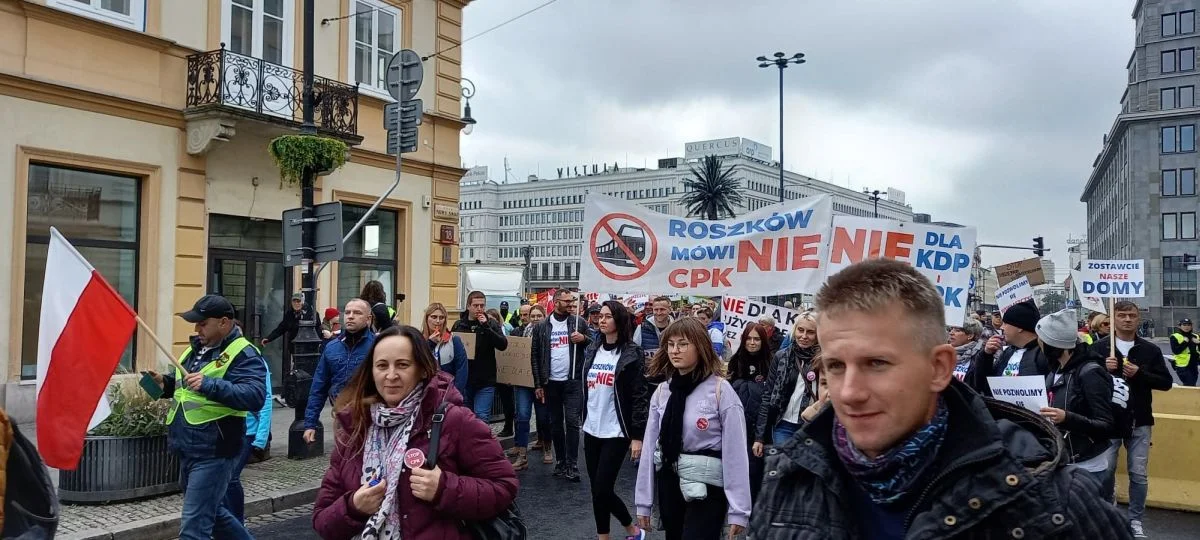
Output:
[[1086, 338], [1184, 358], [198, 409]]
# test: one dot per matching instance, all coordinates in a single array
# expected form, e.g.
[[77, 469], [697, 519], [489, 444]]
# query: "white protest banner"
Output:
[[1015, 292], [775, 250], [1092, 303], [1113, 278], [942, 254], [737, 312], [1027, 391]]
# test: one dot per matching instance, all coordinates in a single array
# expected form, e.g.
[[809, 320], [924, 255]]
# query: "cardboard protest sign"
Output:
[[1093, 303], [775, 250], [1113, 278], [1014, 293], [737, 312], [1030, 268], [468, 339], [1026, 391], [513, 364], [942, 254]]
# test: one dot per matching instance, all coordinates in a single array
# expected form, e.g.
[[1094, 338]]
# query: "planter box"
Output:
[[115, 469]]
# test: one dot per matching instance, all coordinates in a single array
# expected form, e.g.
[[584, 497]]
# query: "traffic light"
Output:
[[1038, 246]]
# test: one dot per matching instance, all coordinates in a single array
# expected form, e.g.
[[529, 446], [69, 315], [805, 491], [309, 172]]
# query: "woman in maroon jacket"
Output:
[[378, 484]]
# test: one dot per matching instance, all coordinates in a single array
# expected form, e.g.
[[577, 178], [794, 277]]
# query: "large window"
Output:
[[1178, 283], [1170, 183], [1183, 22], [98, 214], [375, 38], [1181, 182], [1179, 226], [1168, 61], [1168, 137], [369, 255], [260, 29], [126, 13], [1178, 138]]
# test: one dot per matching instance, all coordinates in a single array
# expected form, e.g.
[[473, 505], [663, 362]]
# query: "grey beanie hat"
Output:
[[1058, 329]]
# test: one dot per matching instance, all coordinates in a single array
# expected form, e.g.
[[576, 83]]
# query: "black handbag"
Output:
[[509, 525]]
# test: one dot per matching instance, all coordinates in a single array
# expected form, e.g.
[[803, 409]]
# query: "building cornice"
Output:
[[24, 87], [73, 21], [1120, 125], [408, 166]]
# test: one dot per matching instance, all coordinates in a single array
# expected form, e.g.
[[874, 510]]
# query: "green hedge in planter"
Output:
[[295, 153], [134, 414]]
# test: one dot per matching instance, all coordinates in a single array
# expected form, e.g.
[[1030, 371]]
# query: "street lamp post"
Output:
[[874, 196], [781, 61]]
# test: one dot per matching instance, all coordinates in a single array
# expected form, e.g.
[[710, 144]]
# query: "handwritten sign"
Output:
[[1014, 293], [737, 312], [1026, 391], [1030, 268], [942, 254], [468, 339], [775, 250], [513, 365], [1113, 278]]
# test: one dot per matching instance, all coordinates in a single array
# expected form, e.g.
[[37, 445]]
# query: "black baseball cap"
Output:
[[1185, 320], [212, 306], [504, 303], [595, 308]]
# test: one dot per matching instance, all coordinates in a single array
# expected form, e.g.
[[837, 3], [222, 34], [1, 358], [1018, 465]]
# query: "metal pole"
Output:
[[781, 66], [876, 198], [306, 345]]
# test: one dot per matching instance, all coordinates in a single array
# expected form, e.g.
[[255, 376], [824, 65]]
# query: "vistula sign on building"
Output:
[[732, 146]]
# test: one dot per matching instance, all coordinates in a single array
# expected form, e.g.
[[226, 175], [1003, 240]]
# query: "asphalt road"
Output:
[[555, 509]]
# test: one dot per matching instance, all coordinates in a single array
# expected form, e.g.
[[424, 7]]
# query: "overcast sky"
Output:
[[984, 113]]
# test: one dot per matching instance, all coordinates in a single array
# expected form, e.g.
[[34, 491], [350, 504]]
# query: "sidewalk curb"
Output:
[[167, 527]]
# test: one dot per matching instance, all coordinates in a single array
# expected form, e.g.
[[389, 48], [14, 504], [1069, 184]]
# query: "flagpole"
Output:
[[161, 347]]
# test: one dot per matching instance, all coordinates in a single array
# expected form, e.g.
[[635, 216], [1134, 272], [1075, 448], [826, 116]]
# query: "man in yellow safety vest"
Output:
[[226, 378], [1183, 346]]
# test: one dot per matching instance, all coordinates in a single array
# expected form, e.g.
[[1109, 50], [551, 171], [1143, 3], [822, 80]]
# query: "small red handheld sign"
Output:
[[414, 458], [702, 424]]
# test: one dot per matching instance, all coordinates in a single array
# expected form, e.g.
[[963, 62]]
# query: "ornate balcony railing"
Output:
[[225, 79]]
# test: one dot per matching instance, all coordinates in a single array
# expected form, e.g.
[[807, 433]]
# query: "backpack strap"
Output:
[[435, 434]]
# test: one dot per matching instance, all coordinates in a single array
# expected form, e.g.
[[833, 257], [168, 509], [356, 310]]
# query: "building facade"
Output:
[[1141, 195], [140, 131], [500, 221]]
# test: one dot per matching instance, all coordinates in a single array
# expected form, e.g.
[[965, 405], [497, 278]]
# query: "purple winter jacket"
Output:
[[477, 480]]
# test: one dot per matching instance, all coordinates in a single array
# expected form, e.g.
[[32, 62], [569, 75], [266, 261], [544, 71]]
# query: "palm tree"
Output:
[[711, 192]]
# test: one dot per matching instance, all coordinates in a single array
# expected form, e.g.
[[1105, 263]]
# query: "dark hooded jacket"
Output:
[[1084, 390], [1001, 473], [781, 383]]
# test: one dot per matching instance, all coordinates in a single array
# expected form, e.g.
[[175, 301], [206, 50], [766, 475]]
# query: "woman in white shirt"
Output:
[[617, 399]]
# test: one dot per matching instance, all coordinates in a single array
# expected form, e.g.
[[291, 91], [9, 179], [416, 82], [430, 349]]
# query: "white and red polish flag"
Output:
[[85, 327]]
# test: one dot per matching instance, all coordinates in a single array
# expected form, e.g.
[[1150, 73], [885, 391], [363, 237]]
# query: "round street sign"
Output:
[[405, 71]]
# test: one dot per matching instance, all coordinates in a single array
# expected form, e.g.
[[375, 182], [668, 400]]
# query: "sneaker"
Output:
[[560, 469], [641, 535], [572, 474], [507, 431], [1136, 527]]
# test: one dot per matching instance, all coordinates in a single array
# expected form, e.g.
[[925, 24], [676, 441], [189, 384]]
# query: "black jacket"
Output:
[[1152, 375], [1000, 473], [781, 383], [990, 365], [630, 387], [540, 349], [1085, 392], [290, 323], [489, 338]]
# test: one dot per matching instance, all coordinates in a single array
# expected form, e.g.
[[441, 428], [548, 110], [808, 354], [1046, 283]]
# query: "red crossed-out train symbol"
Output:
[[622, 247]]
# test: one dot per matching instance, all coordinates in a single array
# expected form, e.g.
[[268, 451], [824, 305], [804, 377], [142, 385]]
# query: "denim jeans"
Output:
[[523, 403], [235, 496], [480, 401], [783, 432], [204, 482], [1137, 454]]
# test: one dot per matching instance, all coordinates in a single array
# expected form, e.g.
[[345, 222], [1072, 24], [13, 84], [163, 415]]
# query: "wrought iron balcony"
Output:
[[225, 81]]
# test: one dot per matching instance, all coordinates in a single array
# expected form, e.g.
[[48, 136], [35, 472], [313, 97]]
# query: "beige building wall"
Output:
[[82, 92]]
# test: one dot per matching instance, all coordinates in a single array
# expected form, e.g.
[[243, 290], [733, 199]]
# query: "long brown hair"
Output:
[[436, 306], [361, 393], [743, 359], [689, 328]]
